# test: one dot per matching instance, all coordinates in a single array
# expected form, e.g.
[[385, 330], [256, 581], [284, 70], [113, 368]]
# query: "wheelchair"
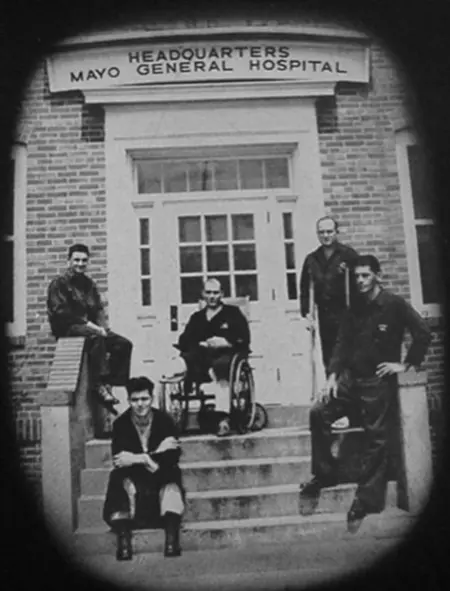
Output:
[[245, 414]]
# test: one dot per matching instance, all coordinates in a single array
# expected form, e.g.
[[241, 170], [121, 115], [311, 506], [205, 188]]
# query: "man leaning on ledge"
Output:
[[363, 376], [75, 309]]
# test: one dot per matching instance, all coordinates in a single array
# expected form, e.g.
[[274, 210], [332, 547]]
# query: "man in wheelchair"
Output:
[[211, 338]]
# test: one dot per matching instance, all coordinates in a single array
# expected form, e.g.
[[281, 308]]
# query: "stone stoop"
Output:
[[241, 490]]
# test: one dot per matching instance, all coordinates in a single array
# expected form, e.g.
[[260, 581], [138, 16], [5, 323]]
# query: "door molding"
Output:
[[169, 93]]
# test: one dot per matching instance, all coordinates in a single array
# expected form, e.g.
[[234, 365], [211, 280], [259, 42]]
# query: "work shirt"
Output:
[[229, 323], [372, 332], [73, 299], [328, 275]]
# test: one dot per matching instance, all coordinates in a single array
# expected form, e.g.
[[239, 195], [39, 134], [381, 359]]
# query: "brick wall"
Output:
[[361, 186], [66, 203]]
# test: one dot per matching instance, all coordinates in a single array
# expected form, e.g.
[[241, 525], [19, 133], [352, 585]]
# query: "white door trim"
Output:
[[168, 93]]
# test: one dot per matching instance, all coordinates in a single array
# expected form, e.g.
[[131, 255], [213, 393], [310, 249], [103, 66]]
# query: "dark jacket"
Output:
[[372, 332], [229, 323], [329, 279], [73, 299], [148, 484]]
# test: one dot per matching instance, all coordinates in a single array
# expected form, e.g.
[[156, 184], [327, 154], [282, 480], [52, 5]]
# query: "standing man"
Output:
[[328, 270], [145, 486], [208, 343], [368, 354], [74, 309]]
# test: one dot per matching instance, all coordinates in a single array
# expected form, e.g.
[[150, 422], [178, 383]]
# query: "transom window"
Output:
[[222, 246], [222, 174]]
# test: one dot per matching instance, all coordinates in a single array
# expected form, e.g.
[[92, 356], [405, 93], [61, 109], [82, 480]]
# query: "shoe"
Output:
[[124, 546], [224, 428], [355, 516], [309, 496], [107, 398], [172, 550], [172, 546]]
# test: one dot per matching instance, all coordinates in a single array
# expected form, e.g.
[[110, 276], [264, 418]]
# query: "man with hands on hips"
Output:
[[362, 375]]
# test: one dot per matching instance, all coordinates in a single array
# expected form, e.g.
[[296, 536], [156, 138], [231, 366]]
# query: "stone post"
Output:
[[66, 425], [415, 442]]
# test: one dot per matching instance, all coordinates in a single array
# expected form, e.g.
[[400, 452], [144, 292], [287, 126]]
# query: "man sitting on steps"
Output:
[[145, 487], [75, 309]]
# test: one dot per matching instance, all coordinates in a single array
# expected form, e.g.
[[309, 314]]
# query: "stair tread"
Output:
[[269, 432], [249, 491], [319, 517], [258, 461]]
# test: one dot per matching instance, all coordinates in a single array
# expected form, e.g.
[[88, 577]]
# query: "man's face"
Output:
[[212, 295], [78, 262], [140, 403], [365, 279], [326, 232]]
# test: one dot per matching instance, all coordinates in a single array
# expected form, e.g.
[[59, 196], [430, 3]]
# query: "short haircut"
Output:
[[328, 217], [367, 260], [78, 248], [139, 385], [212, 280]]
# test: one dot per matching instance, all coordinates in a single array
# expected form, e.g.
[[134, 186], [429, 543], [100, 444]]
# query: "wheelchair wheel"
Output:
[[242, 391], [175, 403], [261, 418]]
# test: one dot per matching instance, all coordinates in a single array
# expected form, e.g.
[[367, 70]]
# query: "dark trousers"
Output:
[[328, 330], [374, 400], [200, 360], [109, 357]]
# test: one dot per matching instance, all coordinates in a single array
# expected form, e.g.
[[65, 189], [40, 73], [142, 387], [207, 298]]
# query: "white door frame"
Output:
[[251, 123]]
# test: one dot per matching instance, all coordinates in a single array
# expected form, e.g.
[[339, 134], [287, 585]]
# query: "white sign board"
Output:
[[98, 68]]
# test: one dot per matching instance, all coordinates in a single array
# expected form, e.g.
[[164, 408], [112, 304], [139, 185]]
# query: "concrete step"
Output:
[[299, 564], [220, 474], [269, 501], [248, 533], [285, 441]]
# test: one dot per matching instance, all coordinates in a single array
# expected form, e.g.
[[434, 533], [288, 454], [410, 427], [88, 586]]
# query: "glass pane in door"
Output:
[[189, 229], [243, 227]]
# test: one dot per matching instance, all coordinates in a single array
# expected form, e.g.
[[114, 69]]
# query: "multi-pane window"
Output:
[[145, 265], [221, 246], [419, 207], [8, 246], [222, 174], [289, 256], [426, 231], [13, 288]]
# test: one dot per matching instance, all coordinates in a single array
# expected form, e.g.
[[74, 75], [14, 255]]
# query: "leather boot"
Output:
[[121, 525], [172, 528], [124, 546]]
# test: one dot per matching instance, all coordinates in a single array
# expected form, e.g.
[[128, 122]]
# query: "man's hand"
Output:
[[96, 329], [389, 369], [216, 342], [124, 459], [150, 464], [309, 322], [167, 444], [331, 387]]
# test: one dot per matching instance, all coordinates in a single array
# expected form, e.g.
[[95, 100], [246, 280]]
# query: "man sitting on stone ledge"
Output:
[[145, 488], [75, 309], [363, 375]]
